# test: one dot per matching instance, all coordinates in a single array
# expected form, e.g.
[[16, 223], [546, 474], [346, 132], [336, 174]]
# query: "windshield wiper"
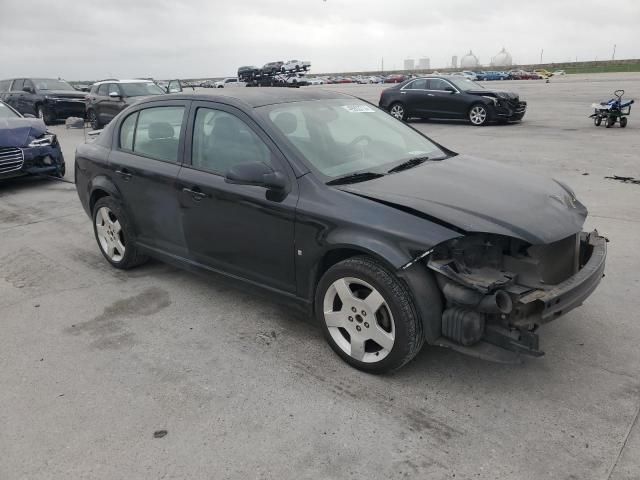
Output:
[[408, 164], [355, 177]]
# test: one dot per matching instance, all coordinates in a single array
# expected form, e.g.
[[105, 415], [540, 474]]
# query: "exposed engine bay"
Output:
[[500, 289]]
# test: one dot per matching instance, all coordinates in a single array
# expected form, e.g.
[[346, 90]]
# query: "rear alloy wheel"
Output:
[[397, 110], [368, 316], [113, 234], [478, 115]]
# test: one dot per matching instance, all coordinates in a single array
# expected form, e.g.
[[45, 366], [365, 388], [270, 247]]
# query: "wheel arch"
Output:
[[102, 186], [421, 283]]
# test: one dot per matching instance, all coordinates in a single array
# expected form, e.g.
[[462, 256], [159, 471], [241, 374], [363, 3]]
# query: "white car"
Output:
[[229, 82], [559, 72], [315, 81], [469, 74], [296, 65]]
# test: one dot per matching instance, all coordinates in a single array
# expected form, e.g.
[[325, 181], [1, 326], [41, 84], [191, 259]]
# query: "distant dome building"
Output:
[[469, 61], [502, 59]]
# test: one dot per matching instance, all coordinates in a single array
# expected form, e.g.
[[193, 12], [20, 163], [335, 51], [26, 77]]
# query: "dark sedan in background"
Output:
[[107, 98], [451, 98], [388, 238], [46, 98], [26, 147]]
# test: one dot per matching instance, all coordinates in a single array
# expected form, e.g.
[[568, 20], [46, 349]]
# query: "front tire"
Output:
[[45, 116], [114, 234], [92, 117], [478, 115], [368, 316], [398, 111]]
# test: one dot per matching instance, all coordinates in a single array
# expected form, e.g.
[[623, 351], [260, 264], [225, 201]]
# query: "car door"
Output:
[[446, 100], [114, 103], [245, 231], [413, 96], [144, 164], [13, 96], [99, 103], [27, 99]]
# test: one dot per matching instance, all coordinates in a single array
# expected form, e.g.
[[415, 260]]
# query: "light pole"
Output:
[[541, 52], [613, 57]]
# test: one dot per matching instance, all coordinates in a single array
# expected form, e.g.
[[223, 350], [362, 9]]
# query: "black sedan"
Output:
[[389, 239], [451, 97], [26, 147]]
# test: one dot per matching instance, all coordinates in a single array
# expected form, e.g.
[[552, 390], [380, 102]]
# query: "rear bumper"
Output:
[[62, 109]]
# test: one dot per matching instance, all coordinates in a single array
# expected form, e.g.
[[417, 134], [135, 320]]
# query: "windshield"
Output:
[[140, 89], [6, 112], [344, 136], [465, 84], [51, 84]]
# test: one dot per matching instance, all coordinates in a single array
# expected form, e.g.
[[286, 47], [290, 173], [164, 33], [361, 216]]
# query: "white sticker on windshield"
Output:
[[358, 108]]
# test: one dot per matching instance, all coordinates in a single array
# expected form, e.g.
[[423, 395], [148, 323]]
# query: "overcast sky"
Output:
[[85, 40]]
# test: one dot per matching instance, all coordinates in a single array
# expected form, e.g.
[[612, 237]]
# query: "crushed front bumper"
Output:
[[489, 332]]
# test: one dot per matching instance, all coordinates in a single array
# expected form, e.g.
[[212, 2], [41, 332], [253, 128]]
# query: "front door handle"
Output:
[[430, 94], [195, 193], [125, 174]]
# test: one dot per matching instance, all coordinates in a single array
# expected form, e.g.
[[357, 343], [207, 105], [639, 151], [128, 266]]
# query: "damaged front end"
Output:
[[499, 290]]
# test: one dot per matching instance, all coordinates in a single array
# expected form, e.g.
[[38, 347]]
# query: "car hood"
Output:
[[19, 132], [494, 93], [476, 195], [64, 94]]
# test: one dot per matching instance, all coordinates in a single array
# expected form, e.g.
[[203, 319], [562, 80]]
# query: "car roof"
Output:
[[256, 97], [133, 80]]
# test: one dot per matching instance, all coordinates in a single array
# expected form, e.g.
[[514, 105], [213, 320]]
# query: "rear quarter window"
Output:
[[4, 85]]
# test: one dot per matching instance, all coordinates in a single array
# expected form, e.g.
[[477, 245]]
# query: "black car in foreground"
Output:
[[451, 97], [46, 98], [389, 239], [26, 147]]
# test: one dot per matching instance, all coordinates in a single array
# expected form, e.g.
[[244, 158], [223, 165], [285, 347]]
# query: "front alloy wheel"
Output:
[[367, 315], [478, 115], [359, 320]]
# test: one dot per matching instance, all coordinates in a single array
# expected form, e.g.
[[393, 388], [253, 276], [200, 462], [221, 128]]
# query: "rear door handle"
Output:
[[125, 174], [430, 94], [195, 193]]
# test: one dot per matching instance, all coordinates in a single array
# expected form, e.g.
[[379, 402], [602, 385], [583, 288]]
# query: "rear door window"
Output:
[[157, 134]]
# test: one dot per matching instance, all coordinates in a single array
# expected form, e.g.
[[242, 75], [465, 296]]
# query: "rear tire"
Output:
[[610, 122], [623, 122], [114, 233], [368, 316], [398, 111]]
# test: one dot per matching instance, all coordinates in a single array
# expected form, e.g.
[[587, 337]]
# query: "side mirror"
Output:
[[27, 89], [257, 174], [450, 90], [114, 95]]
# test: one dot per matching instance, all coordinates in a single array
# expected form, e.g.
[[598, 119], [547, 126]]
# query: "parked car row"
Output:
[[249, 73]]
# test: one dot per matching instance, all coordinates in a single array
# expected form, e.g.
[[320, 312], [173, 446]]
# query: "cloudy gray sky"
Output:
[[200, 38]]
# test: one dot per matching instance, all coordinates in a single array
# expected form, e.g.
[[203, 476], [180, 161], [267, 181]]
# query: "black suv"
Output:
[[107, 98], [388, 238], [46, 98]]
